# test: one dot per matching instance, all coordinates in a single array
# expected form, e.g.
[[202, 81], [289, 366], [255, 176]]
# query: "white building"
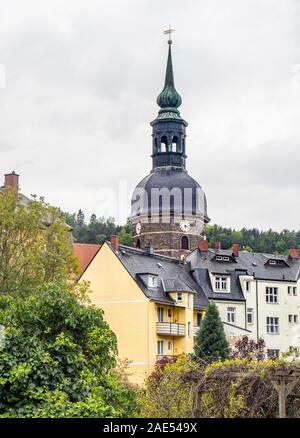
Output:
[[257, 294]]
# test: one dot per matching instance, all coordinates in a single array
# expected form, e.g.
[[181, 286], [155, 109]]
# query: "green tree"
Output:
[[80, 218], [211, 343], [125, 235], [57, 359], [35, 244]]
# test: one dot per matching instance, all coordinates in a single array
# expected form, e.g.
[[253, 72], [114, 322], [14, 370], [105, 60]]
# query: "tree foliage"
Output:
[[246, 348], [57, 359], [211, 343], [35, 245], [254, 240], [236, 388], [97, 230]]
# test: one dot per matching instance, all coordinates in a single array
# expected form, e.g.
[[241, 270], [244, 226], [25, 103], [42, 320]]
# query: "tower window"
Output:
[[175, 144], [138, 244], [184, 242], [164, 143]]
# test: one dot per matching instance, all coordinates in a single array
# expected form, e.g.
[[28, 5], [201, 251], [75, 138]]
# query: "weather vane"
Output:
[[168, 32]]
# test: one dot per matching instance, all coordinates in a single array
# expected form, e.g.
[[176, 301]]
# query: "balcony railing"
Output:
[[165, 356], [170, 328], [196, 328]]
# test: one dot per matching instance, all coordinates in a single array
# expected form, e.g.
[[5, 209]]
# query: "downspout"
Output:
[[257, 326]]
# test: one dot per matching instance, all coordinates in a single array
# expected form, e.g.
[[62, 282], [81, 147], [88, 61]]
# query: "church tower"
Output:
[[168, 207]]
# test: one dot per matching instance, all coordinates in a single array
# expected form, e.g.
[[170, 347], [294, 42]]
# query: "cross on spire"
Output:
[[168, 32]]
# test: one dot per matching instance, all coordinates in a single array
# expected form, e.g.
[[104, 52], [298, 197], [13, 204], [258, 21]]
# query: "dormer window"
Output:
[[275, 262], [152, 281], [222, 258], [221, 284]]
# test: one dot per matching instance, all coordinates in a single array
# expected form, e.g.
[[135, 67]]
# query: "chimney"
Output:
[[11, 180], [115, 242], [294, 253], [235, 249], [203, 245], [218, 244], [149, 249]]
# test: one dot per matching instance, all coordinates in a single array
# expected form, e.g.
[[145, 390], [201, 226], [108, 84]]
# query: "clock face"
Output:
[[185, 226], [138, 228]]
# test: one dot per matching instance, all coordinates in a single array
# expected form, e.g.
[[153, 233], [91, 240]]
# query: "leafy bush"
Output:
[[235, 388], [57, 359]]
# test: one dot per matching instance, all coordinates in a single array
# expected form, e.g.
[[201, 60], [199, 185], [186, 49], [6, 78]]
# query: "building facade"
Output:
[[155, 303]]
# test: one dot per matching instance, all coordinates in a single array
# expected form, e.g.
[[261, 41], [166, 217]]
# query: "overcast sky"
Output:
[[82, 79]]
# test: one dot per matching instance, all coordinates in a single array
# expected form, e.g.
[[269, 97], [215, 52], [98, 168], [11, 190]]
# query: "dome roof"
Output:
[[169, 191]]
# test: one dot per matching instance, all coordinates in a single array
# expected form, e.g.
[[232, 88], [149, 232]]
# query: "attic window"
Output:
[[223, 258], [221, 284], [152, 281], [272, 262]]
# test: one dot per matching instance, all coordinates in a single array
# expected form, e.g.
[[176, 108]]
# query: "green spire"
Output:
[[169, 97]]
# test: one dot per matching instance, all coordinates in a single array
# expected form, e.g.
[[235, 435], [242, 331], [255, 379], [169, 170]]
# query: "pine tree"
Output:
[[211, 343], [80, 218]]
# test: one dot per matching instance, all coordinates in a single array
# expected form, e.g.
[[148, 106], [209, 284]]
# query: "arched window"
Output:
[[138, 244], [163, 144], [184, 244], [175, 144]]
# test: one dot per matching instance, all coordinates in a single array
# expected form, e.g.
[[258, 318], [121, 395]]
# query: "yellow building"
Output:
[[150, 301]]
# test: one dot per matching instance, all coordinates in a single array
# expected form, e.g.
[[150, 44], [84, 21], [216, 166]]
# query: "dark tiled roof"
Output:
[[246, 263], [173, 275], [251, 263]]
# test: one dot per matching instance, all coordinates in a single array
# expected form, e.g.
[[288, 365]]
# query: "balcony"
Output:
[[196, 328], [170, 329], [165, 356]]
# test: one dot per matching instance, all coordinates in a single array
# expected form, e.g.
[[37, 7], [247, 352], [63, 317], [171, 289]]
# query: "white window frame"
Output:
[[292, 291], [272, 325], [271, 352], [223, 258], [160, 314], [160, 348], [250, 312], [221, 283], [293, 319], [170, 346], [189, 329], [152, 281], [272, 262], [231, 315], [272, 295]]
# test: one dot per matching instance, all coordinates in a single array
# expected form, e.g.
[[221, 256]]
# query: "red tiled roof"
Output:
[[85, 252]]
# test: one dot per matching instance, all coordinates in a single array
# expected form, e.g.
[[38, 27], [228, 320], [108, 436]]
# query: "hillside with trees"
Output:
[[97, 230]]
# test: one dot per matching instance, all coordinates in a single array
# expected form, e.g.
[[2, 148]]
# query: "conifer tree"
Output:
[[211, 343]]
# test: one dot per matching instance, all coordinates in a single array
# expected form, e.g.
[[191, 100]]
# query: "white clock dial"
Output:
[[184, 226], [138, 228]]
